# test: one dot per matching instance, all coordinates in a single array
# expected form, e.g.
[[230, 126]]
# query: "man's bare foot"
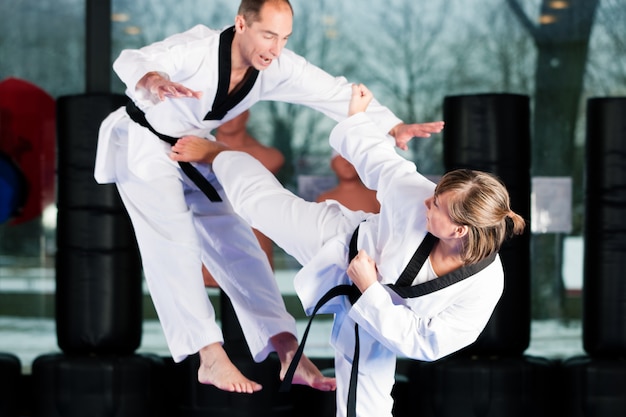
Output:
[[307, 373], [196, 149], [217, 369]]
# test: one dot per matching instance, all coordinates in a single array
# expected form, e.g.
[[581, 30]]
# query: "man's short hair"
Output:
[[251, 9]]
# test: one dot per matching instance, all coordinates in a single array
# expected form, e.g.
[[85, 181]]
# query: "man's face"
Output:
[[263, 40]]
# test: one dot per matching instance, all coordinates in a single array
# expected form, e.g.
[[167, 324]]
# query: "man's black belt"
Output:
[[194, 175]]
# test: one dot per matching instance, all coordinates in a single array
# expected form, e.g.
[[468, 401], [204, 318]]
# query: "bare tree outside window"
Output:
[[606, 68]]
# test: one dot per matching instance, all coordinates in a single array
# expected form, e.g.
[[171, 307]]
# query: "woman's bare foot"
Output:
[[307, 373], [217, 369], [196, 149]]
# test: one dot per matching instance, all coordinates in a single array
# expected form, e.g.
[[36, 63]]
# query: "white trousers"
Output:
[[177, 229]]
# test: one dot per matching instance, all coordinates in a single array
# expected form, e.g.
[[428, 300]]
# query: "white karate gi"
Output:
[[176, 226], [425, 328]]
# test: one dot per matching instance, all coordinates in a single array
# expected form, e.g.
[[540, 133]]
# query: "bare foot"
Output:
[[307, 373], [196, 149], [217, 369]]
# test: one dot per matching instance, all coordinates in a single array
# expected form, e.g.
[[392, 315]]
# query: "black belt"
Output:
[[353, 294], [194, 175]]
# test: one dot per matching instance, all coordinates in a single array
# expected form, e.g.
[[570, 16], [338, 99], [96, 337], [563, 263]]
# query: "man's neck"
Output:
[[237, 63]]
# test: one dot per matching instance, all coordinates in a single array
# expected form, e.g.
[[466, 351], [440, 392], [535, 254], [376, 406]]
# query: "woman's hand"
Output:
[[362, 271]]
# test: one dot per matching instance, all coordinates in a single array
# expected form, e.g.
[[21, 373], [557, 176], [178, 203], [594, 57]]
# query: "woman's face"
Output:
[[439, 223]]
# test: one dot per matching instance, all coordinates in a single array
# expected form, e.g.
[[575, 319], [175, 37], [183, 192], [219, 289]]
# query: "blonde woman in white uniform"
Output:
[[466, 217]]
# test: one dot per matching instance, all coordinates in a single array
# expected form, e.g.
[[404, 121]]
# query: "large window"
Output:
[[411, 53], [42, 47]]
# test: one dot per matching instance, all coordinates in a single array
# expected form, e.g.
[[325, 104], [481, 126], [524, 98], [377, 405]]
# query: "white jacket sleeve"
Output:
[[452, 319], [173, 55], [300, 82]]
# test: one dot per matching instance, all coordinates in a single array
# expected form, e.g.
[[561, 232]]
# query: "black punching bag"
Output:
[[604, 283], [98, 269], [487, 386], [491, 132], [99, 386], [10, 385]]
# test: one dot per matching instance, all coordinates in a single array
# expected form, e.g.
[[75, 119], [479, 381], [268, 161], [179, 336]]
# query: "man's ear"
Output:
[[240, 23]]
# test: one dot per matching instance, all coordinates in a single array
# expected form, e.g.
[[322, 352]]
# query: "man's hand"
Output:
[[159, 87], [405, 132]]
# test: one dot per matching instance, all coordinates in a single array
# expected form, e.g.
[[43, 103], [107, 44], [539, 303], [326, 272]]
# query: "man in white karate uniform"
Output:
[[187, 85]]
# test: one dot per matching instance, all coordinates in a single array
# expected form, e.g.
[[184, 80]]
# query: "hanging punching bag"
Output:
[[604, 294], [98, 269], [491, 132]]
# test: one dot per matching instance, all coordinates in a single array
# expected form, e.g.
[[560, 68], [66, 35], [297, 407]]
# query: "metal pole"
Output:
[[98, 46]]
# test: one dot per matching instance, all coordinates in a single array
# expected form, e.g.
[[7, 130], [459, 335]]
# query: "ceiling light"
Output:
[[559, 5], [120, 17], [547, 19]]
